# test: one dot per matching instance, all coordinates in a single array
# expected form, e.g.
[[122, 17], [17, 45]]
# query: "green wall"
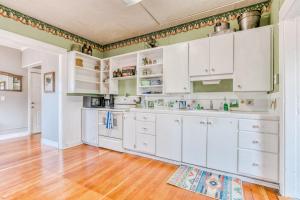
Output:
[[28, 31]]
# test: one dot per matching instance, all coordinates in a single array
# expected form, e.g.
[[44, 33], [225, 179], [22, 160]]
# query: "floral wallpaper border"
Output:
[[200, 23], [35, 23]]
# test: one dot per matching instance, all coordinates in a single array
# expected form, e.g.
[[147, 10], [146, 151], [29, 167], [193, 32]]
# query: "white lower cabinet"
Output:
[[145, 143], [89, 120], [222, 144], [258, 164], [194, 139], [129, 131], [168, 136]]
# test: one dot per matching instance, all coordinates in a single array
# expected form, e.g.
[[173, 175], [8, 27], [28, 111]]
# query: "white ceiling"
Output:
[[107, 21]]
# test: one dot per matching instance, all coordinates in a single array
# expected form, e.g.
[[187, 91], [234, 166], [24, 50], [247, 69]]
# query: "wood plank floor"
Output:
[[30, 171]]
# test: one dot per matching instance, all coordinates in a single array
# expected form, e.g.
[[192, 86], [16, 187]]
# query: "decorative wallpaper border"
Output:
[[189, 26], [35, 23]]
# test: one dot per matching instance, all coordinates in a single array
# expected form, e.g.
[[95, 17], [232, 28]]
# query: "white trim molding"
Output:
[[50, 143], [12, 135]]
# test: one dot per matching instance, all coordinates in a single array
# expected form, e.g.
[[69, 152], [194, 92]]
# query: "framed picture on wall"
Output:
[[49, 82]]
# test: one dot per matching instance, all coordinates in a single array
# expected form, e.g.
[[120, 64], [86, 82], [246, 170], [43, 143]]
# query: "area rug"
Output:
[[206, 183]]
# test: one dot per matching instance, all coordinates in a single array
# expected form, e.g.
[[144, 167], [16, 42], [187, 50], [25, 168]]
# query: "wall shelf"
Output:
[[124, 78]]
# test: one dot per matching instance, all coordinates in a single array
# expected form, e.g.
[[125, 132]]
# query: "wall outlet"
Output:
[[250, 102]]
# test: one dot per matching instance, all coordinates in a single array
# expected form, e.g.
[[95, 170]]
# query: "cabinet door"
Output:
[[175, 61], [129, 131], [89, 126], [168, 136], [252, 60], [221, 54], [199, 57], [222, 144], [194, 136]]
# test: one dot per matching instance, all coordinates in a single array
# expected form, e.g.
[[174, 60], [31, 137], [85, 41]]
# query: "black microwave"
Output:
[[93, 102]]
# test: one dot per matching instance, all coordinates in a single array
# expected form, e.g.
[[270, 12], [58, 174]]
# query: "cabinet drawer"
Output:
[[258, 164], [145, 143], [145, 127], [258, 141], [258, 126], [145, 117]]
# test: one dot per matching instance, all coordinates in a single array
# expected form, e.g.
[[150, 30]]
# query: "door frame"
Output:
[[29, 118], [21, 42]]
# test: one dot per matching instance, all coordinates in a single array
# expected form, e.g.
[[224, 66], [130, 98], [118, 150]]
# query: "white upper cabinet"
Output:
[[211, 56], [253, 60], [199, 57], [175, 61], [221, 54]]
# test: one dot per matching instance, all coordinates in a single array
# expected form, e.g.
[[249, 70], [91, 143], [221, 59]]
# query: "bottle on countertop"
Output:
[[226, 106]]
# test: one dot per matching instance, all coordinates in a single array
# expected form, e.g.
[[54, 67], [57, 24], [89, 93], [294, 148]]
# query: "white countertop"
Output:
[[206, 113]]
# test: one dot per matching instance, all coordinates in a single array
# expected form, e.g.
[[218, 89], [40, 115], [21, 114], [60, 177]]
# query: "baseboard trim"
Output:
[[14, 135], [48, 142], [72, 144]]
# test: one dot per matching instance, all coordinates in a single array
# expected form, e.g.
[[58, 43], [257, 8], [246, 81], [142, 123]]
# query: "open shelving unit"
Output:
[[84, 73], [150, 72]]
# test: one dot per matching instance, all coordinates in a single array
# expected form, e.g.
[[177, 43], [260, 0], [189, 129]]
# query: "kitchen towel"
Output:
[[109, 120]]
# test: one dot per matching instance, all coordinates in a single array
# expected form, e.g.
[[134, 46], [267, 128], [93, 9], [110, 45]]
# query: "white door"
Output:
[[252, 60], [222, 144], [168, 136], [194, 136], [35, 92], [90, 124], [221, 54], [175, 63], [199, 57], [129, 131]]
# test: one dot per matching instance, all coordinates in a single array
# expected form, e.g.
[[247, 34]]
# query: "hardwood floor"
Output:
[[30, 171]]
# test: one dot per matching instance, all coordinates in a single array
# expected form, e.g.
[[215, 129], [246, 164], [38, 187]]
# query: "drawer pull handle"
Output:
[[145, 118], [209, 123], [255, 164], [145, 129], [255, 142], [255, 126], [145, 143], [202, 122]]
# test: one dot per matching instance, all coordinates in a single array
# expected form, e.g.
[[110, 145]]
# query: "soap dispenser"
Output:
[[226, 107]]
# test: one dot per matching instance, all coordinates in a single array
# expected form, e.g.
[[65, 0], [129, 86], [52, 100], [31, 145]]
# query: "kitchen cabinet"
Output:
[[175, 63], [222, 137], [253, 60], [168, 136], [211, 56], [199, 57], [194, 137], [221, 54], [89, 126], [129, 131]]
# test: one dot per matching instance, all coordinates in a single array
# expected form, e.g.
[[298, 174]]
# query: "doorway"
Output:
[[35, 92]]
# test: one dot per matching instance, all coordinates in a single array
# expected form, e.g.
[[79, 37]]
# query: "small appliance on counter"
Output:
[[109, 101], [93, 102]]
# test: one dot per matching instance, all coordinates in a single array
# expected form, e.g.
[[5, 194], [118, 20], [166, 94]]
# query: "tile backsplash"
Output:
[[249, 101]]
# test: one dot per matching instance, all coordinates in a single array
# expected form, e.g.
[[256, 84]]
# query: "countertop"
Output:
[[205, 113]]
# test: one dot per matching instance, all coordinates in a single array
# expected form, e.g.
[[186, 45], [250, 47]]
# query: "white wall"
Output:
[[13, 111], [50, 101]]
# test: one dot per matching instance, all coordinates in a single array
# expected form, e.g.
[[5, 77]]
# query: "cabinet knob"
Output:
[[145, 129], [202, 122], [239, 86], [212, 69], [209, 123], [255, 142], [255, 126], [145, 143], [206, 70]]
